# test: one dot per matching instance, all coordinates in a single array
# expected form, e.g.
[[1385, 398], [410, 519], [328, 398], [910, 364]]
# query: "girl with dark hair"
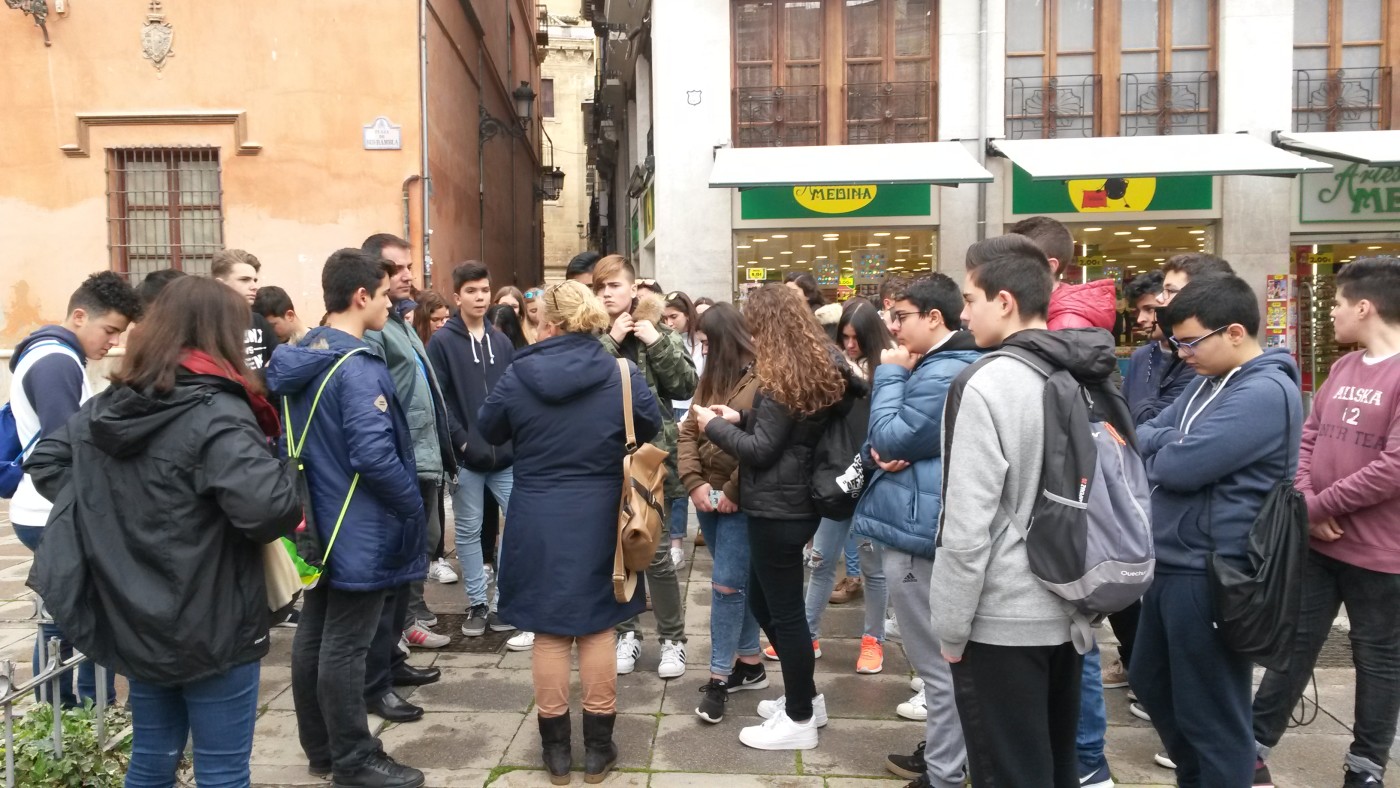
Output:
[[430, 315], [505, 318], [828, 315], [679, 314], [802, 382], [174, 460], [510, 296], [712, 478]]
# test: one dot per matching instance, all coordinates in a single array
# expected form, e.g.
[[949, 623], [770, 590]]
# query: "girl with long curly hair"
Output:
[[802, 383]]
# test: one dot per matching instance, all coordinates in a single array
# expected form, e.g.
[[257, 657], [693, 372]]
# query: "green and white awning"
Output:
[[1143, 157], [1376, 148], [939, 163]]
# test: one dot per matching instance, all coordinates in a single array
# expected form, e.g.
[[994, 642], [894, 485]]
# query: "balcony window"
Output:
[[164, 209], [889, 71], [778, 98], [1052, 82], [1342, 78]]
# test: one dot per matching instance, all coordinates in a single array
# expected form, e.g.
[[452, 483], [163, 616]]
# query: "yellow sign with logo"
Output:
[[847, 281], [756, 274], [1105, 195], [834, 199]]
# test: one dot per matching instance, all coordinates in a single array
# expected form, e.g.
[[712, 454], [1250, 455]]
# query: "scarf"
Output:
[[200, 363]]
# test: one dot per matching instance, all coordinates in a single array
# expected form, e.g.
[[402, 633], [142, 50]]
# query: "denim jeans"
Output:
[[30, 536], [1093, 716], [219, 711], [826, 548], [1373, 605], [680, 511], [328, 674], [467, 512], [852, 553], [775, 597], [733, 629]]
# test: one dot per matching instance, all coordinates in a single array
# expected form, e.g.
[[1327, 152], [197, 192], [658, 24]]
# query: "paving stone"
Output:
[[633, 733], [872, 696], [275, 681], [683, 695], [532, 778], [454, 778], [861, 782], [684, 743], [693, 780], [1130, 750], [839, 656], [478, 689], [454, 661], [1313, 763], [275, 740], [291, 776], [859, 747], [452, 740], [279, 650]]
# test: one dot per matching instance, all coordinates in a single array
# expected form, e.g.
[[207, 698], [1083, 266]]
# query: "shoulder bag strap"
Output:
[[627, 405], [24, 452]]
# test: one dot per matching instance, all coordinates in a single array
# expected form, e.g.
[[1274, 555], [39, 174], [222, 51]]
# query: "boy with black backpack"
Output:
[[1212, 457], [1008, 637]]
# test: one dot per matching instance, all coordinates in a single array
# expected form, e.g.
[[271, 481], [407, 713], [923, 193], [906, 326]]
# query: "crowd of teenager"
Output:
[[234, 420]]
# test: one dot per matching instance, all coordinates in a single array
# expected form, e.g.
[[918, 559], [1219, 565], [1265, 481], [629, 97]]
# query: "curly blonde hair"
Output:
[[575, 309], [794, 362]]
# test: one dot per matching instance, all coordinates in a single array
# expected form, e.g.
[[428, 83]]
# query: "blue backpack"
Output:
[[12, 452]]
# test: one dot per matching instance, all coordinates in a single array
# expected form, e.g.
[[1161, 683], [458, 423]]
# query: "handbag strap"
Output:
[[1295, 455], [627, 405]]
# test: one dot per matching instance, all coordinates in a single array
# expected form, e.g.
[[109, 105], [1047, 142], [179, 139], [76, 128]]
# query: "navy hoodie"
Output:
[[1214, 454], [54, 384], [467, 370], [1155, 378]]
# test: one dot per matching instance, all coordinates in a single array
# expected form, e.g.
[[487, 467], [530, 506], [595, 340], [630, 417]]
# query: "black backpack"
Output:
[[838, 475], [1256, 609]]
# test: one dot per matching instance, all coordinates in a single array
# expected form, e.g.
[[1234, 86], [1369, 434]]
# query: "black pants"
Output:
[[328, 674], [1125, 623], [1019, 707], [777, 601], [1195, 687], [1373, 605], [384, 653]]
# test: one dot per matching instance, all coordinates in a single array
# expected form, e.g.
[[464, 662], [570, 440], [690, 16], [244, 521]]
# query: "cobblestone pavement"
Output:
[[479, 728]]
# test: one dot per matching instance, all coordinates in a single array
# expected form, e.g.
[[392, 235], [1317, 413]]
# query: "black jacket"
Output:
[[775, 450], [151, 562], [467, 370]]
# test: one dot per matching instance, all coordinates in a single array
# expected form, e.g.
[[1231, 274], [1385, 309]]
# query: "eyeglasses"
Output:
[[534, 292], [1189, 348], [1168, 293], [900, 316]]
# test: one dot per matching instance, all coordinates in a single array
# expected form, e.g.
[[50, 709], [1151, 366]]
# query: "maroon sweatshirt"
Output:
[[1349, 468]]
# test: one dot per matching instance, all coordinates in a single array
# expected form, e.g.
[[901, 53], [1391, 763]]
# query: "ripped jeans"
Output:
[[733, 628], [827, 549]]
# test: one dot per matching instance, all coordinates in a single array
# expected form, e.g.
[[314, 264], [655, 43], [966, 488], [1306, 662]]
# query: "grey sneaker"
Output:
[[475, 625], [497, 625]]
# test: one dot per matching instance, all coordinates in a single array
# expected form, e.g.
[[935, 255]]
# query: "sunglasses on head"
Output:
[[534, 292]]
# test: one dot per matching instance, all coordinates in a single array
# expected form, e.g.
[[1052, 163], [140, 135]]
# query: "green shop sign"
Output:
[[1110, 195], [819, 202], [1350, 193]]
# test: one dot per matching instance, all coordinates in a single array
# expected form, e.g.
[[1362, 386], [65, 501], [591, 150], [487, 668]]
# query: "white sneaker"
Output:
[[403, 645], [422, 637], [522, 641], [672, 660], [441, 571], [916, 684], [781, 733], [678, 557], [914, 708], [768, 709], [1162, 760], [891, 628], [628, 649]]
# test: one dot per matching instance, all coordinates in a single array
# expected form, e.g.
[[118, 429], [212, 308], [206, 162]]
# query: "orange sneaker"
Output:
[[771, 652], [872, 656]]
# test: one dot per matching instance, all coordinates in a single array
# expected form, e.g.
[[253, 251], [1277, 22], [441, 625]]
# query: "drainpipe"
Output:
[[982, 127], [427, 180]]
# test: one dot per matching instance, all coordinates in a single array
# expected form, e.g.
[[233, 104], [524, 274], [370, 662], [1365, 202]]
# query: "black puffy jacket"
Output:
[[151, 562], [775, 450]]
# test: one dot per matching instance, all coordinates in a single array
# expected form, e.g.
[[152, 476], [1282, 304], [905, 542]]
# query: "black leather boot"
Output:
[[554, 741], [600, 753]]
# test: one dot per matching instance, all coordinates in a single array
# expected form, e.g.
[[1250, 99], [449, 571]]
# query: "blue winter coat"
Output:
[[359, 428], [560, 402], [1213, 456], [906, 417]]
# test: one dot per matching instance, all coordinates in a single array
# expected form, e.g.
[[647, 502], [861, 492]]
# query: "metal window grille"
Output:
[[164, 209]]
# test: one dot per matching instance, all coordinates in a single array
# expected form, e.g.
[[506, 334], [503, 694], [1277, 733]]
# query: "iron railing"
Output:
[[1158, 104], [1347, 99], [890, 112], [766, 117], [1047, 107]]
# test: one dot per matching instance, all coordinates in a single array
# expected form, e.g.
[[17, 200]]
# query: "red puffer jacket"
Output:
[[1091, 305]]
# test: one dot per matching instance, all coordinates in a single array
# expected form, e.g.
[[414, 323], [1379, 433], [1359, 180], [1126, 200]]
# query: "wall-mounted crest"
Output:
[[692, 97], [157, 36]]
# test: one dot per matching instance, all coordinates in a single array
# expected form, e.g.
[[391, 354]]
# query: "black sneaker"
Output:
[[380, 771], [714, 694], [497, 625], [293, 618], [920, 782], [1360, 780], [748, 677], [1262, 778], [475, 625], [910, 767]]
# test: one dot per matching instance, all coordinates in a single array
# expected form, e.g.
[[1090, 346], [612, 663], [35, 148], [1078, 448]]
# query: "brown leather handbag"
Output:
[[640, 514]]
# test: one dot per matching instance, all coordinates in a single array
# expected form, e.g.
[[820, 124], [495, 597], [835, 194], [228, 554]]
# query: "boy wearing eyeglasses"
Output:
[[1212, 457]]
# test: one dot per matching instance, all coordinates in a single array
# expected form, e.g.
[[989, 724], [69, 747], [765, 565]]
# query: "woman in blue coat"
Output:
[[560, 402]]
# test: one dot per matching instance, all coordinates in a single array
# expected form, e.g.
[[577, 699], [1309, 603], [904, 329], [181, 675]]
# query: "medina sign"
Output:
[[1352, 192], [1110, 195], [813, 202]]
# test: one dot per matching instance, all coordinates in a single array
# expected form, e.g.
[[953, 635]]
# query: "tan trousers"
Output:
[[597, 667]]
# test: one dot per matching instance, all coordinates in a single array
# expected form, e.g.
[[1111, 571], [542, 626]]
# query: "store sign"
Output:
[[1352, 192], [382, 135], [1111, 195], [814, 202], [756, 274]]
